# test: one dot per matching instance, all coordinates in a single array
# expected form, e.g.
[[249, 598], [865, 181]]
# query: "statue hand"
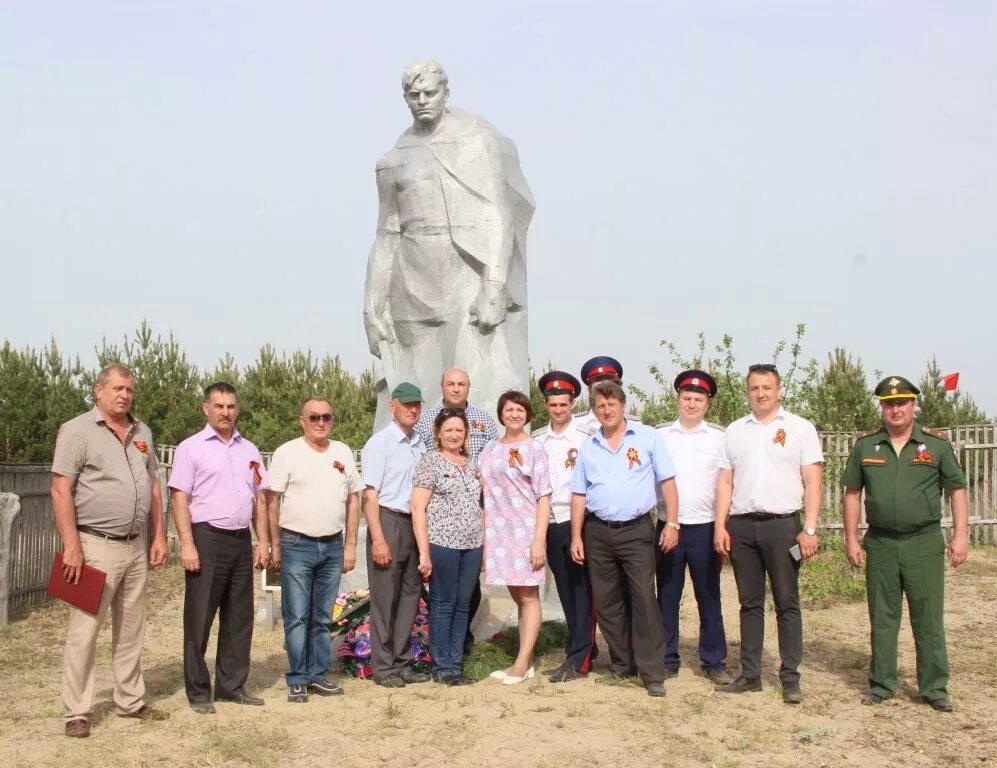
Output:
[[378, 330], [490, 305]]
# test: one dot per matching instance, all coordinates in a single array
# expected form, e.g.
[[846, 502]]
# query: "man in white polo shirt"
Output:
[[770, 468], [321, 501], [694, 445]]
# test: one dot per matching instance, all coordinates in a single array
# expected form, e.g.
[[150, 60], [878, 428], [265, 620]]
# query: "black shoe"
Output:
[[718, 676], [456, 679], [614, 675], [325, 687], [203, 707], [410, 677], [671, 672], [942, 704], [390, 681], [871, 698], [240, 696], [553, 670], [566, 674], [655, 689], [741, 685], [297, 693], [792, 693]]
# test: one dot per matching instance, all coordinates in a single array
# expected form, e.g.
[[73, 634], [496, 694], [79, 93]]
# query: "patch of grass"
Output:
[[391, 711], [500, 651], [828, 577], [245, 744]]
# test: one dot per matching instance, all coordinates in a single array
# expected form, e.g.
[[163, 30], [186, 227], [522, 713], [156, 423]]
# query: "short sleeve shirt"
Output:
[[620, 485], [766, 460], [316, 485], [221, 478], [113, 488], [696, 456], [562, 456], [903, 492], [388, 462], [454, 510], [479, 422]]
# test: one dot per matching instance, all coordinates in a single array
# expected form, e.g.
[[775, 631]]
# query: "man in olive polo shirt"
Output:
[[903, 469], [106, 501]]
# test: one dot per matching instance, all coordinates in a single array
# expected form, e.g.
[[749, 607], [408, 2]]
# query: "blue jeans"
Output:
[[455, 572], [309, 581]]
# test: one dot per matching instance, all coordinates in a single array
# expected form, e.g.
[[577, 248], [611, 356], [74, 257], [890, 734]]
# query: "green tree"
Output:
[[843, 401], [940, 409], [167, 385]]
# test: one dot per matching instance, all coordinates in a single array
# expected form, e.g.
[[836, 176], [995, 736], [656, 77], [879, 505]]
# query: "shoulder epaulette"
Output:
[[586, 430], [715, 426], [936, 433], [540, 431], [664, 425], [871, 432]]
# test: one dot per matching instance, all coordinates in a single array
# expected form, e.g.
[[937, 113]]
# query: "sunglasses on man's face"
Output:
[[767, 367], [315, 418], [448, 412]]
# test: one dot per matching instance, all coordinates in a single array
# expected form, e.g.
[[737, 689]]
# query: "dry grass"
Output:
[[581, 723]]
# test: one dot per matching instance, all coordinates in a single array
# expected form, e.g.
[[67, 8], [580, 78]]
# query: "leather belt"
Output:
[[318, 539], [100, 534], [765, 516], [618, 523], [396, 513], [238, 533]]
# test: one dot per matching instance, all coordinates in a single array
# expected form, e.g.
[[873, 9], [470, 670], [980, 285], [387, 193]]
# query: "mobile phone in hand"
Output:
[[794, 552]]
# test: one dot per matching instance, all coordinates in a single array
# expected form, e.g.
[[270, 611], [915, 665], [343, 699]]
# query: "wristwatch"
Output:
[[670, 524], [810, 531]]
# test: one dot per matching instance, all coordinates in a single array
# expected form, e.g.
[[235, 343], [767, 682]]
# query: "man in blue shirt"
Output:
[[613, 494], [388, 462]]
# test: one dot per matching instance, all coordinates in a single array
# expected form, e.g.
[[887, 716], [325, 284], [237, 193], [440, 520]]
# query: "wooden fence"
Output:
[[34, 539]]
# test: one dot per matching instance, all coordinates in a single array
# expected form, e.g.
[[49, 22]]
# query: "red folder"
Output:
[[85, 595]]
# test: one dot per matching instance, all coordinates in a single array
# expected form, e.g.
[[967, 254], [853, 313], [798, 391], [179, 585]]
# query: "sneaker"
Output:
[[325, 687], [297, 693], [78, 728]]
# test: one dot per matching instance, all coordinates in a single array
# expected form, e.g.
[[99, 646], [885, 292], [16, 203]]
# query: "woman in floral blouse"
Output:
[[446, 519]]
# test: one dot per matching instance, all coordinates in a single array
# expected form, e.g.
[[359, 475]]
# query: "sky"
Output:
[[718, 167]]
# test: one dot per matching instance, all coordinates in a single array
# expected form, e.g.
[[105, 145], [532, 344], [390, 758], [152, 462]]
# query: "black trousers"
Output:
[[394, 596], [695, 550], [618, 557], [223, 586], [575, 594], [760, 547]]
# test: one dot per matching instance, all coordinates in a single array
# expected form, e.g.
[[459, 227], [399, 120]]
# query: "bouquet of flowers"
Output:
[[351, 620]]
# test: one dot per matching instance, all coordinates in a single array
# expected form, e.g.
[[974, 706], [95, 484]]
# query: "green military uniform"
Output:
[[905, 549]]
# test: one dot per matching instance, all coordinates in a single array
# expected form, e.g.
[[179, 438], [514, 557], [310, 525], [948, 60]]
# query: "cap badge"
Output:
[[515, 458], [780, 437], [570, 461], [633, 457], [893, 391]]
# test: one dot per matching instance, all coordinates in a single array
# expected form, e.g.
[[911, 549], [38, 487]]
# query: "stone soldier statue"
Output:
[[446, 276]]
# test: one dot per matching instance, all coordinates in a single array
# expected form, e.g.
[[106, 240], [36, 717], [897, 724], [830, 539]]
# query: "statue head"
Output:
[[424, 84]]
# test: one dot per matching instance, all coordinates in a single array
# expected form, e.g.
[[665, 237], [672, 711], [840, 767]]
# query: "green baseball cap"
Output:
[[407, 393]]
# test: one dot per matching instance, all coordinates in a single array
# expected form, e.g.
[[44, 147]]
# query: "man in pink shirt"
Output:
[[216, 490]]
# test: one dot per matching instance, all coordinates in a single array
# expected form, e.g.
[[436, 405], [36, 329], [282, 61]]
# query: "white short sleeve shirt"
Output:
[[562, 454], [315, 484], [696, 456], [766, 460]]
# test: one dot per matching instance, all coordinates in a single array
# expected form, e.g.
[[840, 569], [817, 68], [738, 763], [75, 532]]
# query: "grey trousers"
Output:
[[394, 596], [760, 547]]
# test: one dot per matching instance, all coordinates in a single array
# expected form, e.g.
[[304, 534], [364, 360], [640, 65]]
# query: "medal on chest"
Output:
[[339, 465], [515, 458], [780, 437], [922, 455], [569, 462], [257, 476], [142, 446], [633, 457]]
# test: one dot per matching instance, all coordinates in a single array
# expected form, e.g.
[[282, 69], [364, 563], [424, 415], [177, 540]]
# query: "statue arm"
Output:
[[380, 262]]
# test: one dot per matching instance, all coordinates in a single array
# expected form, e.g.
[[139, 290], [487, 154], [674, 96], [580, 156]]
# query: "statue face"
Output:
[[426, 99]]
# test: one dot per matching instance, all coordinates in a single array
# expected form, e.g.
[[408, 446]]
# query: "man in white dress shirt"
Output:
[[561, 439], [694, 445], [770, 469]]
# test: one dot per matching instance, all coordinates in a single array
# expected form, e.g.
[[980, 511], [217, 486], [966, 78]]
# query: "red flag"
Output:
[[950, 381]]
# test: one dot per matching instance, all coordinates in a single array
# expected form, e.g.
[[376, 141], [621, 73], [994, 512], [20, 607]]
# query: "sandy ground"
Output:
[[586, 722]]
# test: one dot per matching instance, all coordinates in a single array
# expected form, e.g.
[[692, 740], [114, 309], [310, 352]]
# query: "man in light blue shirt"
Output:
[[388, 463], [614, 482]]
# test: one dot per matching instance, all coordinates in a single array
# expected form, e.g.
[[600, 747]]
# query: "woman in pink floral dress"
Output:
[[517, 491]]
